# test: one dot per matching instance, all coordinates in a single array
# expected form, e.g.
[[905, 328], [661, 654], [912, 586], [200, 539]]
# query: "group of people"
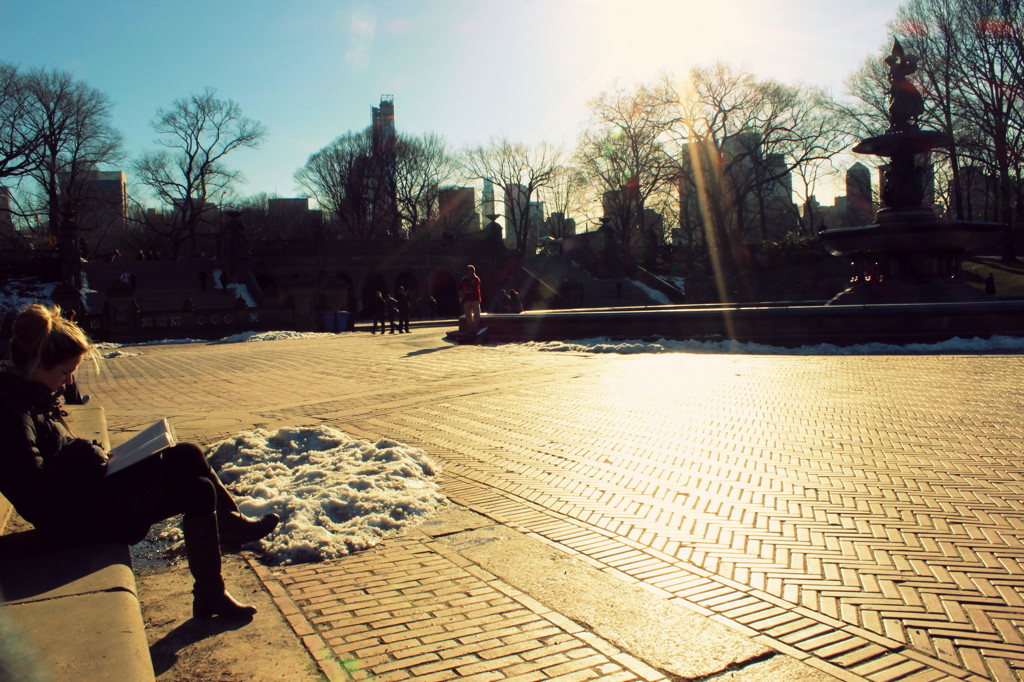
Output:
[[508, 301], [60, 484], [395, 310], [392, 308]]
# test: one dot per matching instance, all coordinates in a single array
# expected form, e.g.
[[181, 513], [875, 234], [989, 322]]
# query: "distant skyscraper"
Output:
[[782, 188], [6, 221], [536, 225], [859, 207], [558, 226], [488, 198], [779, 207], [103, 206], [518, 209], [383, 121], [382, 190], [979, 194], [457, 211]]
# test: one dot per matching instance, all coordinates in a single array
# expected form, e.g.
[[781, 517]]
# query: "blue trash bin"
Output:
[[341, 320]]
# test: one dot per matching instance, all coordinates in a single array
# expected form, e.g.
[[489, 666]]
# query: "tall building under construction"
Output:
[[382, 188], [383, 122]]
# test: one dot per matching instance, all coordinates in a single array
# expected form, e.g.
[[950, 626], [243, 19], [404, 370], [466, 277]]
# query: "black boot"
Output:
[[202, 547], [236, 529]]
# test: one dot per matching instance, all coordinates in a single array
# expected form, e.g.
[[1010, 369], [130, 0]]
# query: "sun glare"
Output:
[[650, 37]]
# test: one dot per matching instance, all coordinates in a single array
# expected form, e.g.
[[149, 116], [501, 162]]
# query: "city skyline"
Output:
[[464, 69]]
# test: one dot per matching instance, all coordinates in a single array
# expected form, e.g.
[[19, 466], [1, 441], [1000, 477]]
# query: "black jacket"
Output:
[[44, 470]]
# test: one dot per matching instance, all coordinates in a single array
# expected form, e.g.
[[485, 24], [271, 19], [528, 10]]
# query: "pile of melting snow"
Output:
[[994, 344], [335, 494]]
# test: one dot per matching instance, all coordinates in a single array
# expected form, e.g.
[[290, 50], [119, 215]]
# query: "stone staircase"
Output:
[[543, 277]]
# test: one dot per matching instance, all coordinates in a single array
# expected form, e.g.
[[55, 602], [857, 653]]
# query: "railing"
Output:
[[139, 327], [42, 264], [421, 247], [653, 281]]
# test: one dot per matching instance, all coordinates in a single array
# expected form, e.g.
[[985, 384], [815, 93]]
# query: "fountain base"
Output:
[[906, 259]]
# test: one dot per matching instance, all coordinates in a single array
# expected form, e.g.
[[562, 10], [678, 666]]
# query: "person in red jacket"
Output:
[[469, 294]]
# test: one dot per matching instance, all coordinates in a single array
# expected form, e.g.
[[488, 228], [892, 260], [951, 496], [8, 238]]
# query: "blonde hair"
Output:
[[43, 338]]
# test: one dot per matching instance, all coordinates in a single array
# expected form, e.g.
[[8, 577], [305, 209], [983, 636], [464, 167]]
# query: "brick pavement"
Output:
[[862, 514], [413, 609]]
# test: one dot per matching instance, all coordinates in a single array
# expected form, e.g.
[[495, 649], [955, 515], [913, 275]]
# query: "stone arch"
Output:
[[417, 299], [339, 291], [373, 283], [267, 284], [445, 291], [410, 282]]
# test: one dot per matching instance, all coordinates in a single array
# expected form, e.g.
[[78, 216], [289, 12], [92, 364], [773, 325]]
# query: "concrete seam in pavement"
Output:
[[336, 671], [803, 648]]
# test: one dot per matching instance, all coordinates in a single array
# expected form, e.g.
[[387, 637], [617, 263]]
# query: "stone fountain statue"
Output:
[[905, 103], [909, 254]]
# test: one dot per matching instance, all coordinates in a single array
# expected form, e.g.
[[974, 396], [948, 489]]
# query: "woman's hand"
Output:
[[82, 459]]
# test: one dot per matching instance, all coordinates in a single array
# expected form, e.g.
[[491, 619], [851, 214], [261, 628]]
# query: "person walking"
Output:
[[60, 484], [404, 309], [377, 310], [469, 294], [391, 308]]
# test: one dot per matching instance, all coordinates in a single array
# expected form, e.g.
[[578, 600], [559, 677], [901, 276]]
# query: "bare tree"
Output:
[[69, 124], [16, 140], [340, 178], [423, 165], [740, 141], [565, 199], [199, 132], [932, 30], [761, 131], [269, 218], [970, 71], [520, 172], [144, 230], [989, 77], [624, 158], [867, 114]]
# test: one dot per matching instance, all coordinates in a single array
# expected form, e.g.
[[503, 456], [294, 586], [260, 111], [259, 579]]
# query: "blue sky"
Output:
[[469, 70]]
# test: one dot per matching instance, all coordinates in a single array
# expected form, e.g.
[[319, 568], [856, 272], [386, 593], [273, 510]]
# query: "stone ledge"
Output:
[[78, 605]]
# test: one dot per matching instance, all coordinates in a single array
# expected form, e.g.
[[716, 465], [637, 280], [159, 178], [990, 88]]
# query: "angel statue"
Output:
[[905, 103]]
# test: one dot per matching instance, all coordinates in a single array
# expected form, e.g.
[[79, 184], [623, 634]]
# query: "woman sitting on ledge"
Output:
[[58, 482]]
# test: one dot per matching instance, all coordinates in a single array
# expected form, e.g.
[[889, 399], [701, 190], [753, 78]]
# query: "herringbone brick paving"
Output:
[[414, 610], [864, 514]]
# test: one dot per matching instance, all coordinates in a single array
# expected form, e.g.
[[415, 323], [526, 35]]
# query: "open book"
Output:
[[149, 441]]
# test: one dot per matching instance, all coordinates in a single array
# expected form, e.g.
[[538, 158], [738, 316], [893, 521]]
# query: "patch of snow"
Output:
[[119, 354], [653, 294], [243, 337], [247, 337], [335, 494], [109, 345], [677, 282], [24, 291], [242, 291], [995, 344]]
